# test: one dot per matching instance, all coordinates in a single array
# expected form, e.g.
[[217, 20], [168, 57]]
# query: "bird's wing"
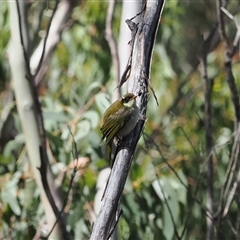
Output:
[[114, 123]]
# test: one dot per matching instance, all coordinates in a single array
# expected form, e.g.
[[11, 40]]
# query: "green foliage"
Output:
[[74, 94]]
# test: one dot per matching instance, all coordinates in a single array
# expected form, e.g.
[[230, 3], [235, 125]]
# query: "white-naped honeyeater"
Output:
[[119, 120]]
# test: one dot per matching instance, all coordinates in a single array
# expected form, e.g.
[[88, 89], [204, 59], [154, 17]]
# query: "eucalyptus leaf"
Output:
[[65, 133], [26, 195], [84, 128], [102, 102], [55, 116], [224, 138], [92, 86], [9, 196], [92, 117], [9, 193], [159, 189], [168, 228], [14, 144], [94, 138]]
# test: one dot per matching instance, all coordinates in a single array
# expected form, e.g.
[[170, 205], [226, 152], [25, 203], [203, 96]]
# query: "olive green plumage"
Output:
[[119, 119]]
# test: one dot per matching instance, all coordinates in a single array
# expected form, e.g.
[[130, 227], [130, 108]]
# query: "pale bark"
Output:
[[142, 42]]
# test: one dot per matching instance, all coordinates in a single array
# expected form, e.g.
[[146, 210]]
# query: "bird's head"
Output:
[[128, 100]]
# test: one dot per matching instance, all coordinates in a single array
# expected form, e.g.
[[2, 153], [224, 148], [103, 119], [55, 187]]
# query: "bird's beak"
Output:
[[134, 97]]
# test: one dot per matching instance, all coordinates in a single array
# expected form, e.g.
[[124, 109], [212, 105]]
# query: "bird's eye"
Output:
[[127, 99]]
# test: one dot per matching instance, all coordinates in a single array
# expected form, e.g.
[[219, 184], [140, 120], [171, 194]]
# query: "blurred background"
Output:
[[167, 189]]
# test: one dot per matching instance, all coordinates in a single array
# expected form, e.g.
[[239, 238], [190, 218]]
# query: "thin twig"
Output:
[[112, 42], [145, 135], [187, 187], [193, 195], [185, 135], [43, 171], [75, 155], [45, 39], [208, 47], [230, 200], [237, 232], [232, 228], [229, 177], [38, 14], [232, 165], [207, 86], [228, 60], [134, 28], [221, 6], [168, 207], [52, 38]]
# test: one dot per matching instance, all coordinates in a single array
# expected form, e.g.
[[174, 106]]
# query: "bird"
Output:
[[119, 120]]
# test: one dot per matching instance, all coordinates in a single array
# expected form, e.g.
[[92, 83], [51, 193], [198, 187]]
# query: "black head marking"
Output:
[[128, 97]]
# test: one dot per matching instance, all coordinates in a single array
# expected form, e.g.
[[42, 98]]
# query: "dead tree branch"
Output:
[[235, 153], [41, 57], [207, 87], [141, 58]]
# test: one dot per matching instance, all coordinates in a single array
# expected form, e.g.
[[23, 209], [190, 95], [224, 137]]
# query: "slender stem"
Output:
[[207, 85], [113, 44]]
